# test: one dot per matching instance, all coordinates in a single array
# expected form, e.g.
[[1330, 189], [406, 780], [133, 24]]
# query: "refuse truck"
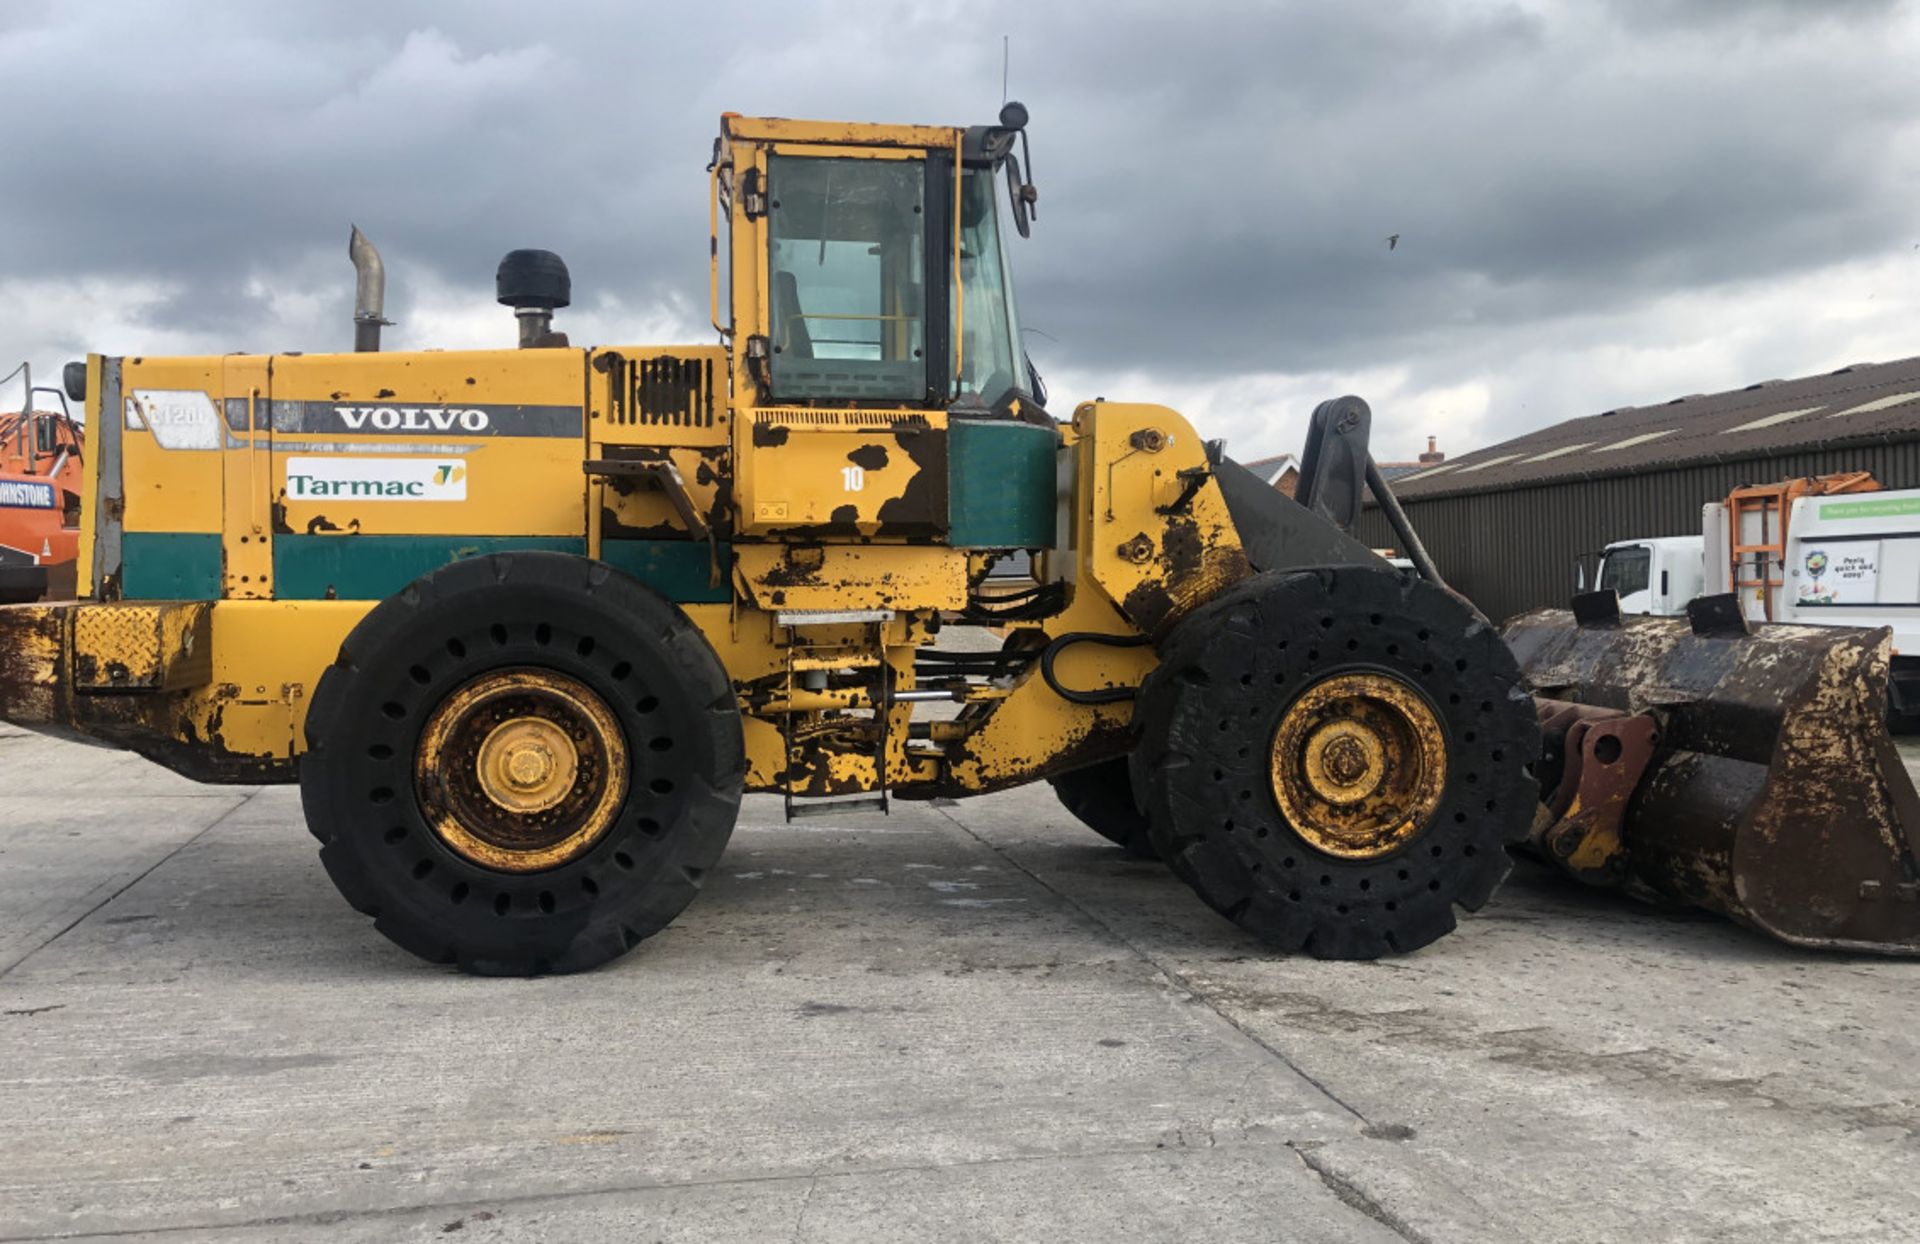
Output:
[[1830, 550], [525, 624]]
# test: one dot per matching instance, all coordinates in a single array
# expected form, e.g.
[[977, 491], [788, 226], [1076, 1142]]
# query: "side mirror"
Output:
[[45, 438], [1021, 190], [73, 377], [1022, 196]]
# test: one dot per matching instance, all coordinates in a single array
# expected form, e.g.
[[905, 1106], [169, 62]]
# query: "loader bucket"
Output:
[[1774, 795]]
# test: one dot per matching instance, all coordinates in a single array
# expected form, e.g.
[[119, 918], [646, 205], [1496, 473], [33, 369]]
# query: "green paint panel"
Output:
[[1000, 483], [680, 570], [169, 565], [374, 567]]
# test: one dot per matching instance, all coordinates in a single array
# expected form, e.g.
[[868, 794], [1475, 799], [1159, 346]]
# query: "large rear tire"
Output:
[[522, 764], [1335, 758], [1101, 798]]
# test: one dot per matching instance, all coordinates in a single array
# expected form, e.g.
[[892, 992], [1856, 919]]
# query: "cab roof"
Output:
[[842, 133]]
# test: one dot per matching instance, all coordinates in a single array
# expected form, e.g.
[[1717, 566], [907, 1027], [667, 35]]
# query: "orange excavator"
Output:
[[40, 468]]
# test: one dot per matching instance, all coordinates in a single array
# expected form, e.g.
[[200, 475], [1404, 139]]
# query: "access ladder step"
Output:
[[801, 809]]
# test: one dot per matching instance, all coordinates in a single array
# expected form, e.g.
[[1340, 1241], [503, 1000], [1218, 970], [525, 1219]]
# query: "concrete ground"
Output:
[[971, 1022]]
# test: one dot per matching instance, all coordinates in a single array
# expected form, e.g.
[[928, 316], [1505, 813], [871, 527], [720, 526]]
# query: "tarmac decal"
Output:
[[376, 479]]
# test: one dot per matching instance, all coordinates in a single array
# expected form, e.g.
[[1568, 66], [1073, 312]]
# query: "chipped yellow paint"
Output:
[[837, 469], [851, 576], [1157, 565]]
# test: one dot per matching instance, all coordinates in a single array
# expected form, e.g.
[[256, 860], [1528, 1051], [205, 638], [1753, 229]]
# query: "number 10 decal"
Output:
[[854, 477]]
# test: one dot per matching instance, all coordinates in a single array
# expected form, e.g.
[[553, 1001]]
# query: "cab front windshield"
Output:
[[1626, 571], [989, 327]]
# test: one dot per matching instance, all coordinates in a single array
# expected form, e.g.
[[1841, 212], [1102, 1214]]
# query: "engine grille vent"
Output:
[[862, 420], [664, 390]]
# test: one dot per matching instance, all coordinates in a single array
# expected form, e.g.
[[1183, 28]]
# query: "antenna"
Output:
[[1005, 53]]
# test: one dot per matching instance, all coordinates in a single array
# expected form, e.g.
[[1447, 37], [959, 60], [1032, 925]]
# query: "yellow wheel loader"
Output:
[[525, 624]]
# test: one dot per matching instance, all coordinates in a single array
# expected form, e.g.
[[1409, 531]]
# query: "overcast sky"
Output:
[[1598, 204]]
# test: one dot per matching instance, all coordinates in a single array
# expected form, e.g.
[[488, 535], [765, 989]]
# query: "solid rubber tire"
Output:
[[1207, 716], [643, 656]]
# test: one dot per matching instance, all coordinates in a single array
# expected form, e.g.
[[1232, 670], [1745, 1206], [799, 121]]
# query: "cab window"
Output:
[[847, 278], [1626, 571]]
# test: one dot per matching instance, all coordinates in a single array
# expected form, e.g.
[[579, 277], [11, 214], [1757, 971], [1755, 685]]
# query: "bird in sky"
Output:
[[1393, 240]]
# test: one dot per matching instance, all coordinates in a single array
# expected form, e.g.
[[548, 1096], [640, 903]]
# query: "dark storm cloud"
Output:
[[1217, 181]]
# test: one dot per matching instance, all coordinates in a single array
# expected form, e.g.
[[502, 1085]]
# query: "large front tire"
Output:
[[522, 764], [1334, 759]]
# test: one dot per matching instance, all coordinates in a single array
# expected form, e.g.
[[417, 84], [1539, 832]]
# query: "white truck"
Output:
[[1849, 559]]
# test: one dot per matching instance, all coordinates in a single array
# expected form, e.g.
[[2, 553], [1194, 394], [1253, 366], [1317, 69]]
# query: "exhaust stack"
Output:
[[369, 292]]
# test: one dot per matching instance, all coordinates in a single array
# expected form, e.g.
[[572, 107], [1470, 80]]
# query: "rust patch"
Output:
[[770, 435]]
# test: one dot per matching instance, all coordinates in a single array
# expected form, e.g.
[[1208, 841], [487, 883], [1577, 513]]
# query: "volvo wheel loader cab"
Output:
[[525, 624]]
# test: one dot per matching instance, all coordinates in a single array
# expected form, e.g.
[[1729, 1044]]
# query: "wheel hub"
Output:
[[521, 770], [1358, 764], [527, 764]]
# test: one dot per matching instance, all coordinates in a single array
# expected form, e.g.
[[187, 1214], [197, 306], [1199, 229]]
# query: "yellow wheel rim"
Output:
[[521, 770], [1359, 763]]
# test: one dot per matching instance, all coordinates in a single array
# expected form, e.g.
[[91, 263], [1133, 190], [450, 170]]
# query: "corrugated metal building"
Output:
[[1506, 524]]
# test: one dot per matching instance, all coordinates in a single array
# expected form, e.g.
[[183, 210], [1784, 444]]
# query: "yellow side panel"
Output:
[[1156, 555], [267, 656], [852, 472], [173, 433], [469, 442], [852, 576]]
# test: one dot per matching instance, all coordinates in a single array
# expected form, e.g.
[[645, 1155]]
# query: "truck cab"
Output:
[[1656, 575]]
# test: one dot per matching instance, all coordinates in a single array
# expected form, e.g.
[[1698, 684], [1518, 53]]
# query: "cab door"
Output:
[[839, 269]]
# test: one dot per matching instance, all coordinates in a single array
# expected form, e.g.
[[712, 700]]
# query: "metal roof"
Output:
[[1271, 468], [1867, 403], [1399, 470]]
